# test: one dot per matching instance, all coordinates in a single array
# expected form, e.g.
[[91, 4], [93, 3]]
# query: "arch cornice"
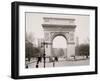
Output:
[[55, 25]]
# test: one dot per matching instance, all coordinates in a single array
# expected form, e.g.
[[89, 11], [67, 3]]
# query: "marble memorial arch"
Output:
[[59, 27]]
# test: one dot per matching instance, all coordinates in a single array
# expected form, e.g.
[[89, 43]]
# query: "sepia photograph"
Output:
[[56, 40], [50, 40]]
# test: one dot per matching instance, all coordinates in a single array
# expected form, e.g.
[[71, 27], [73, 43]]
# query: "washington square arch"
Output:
[[64, 27]]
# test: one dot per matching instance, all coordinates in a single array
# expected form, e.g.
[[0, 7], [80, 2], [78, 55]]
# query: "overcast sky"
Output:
[[34, 21]]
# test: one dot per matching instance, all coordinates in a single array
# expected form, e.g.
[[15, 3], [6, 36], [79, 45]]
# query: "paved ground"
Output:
[[60, 63]]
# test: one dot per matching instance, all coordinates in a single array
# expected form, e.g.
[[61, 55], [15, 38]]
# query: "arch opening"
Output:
[[59, 46]]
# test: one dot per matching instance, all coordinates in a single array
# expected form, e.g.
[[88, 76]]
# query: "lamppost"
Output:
[[44, 43]]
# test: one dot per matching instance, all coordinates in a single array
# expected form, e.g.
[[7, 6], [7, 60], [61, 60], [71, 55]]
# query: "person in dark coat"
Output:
[[38, 60], [56, 58]]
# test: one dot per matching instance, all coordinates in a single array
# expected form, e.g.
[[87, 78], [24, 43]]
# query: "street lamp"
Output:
[[44, 43]]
